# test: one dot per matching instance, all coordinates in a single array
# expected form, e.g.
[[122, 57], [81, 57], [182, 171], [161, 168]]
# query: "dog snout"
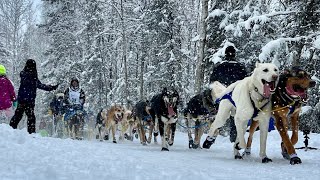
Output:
[[274, 77], [312, 84]]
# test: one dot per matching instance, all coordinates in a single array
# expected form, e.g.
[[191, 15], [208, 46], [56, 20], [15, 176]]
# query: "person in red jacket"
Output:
[[7, 94]]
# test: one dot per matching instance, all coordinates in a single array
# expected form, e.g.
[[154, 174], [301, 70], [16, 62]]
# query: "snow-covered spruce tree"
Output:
[[13, 15], [95, 53], [163, 22]]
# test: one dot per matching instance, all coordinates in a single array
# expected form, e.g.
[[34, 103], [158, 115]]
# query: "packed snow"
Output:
[[25, 156]]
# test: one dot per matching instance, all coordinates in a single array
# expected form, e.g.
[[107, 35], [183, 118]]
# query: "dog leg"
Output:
[[221, 118], [151, 126], [264, 125], [198, 133], [141, 133], [113, 129], [241, 126], [294, 125], [240, 141], [172, 131], [163, 133], [253, 127], [282, 127], [189, 133]]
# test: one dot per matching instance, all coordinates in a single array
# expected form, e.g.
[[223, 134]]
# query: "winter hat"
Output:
[[74, 79], [31, 65], [230, 51], [2, 70]]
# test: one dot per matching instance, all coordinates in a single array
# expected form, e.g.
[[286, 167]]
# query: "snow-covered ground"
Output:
[[24, 156]]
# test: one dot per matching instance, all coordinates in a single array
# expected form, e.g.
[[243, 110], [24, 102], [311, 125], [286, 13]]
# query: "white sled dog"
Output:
[[247, 99]]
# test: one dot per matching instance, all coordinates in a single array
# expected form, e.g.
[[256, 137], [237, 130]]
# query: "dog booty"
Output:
[[208, 142]]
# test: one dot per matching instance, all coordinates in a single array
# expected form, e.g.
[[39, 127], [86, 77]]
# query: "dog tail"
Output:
[[217, 90]]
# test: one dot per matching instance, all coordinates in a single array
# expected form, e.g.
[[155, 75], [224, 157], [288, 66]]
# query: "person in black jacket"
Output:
[[27, 94], [227, 72]]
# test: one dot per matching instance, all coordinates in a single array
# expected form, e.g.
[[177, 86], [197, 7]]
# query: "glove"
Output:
[[55, 87], [15, 104]]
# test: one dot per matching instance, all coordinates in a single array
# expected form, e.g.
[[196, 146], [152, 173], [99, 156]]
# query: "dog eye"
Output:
[[275, 70], [265, 70]]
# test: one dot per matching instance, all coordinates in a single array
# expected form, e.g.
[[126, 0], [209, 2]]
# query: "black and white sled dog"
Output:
[[200, 110], [143, 120], [164, 112]]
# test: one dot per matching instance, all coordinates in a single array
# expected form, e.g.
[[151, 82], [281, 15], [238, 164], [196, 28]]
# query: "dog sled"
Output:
[[74, 119]]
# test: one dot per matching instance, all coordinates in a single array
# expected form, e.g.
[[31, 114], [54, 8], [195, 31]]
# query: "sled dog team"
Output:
[[232, 95], [266, 93]]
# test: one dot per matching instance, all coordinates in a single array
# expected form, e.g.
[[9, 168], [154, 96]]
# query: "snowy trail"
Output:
[[25, 157]]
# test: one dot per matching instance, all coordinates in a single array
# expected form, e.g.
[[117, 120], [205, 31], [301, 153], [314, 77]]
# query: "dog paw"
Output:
[[208, 142], [130, 138], [170, 142], [266, 160], [285, 155], [106, 137], [143, 143], [238, 157], [190, 144], [245, 153], [164, 149], [295, 160], [114, 141], [149, 140], [126, 136], [196, 146]]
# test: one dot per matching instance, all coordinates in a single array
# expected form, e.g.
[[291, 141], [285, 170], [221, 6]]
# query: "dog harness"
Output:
[[146, 118], [228, 96]]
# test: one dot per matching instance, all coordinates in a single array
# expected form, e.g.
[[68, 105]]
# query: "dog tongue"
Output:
[[171, 111], [301, 93], [266, 90]]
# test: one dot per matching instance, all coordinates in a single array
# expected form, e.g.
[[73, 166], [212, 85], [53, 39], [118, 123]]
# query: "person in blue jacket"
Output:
[[27, 94]]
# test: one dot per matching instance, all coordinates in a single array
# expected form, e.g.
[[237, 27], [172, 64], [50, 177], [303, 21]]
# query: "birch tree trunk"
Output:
[[201, 52]]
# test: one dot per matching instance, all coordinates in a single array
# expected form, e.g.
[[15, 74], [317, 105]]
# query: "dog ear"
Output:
[[286, 72], [164, 90]]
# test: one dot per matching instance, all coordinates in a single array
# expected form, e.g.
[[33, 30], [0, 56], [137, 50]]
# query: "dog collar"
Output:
[[257, 91]]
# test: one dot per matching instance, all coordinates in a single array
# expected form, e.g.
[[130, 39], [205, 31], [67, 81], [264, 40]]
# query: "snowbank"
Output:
[[24, 156]]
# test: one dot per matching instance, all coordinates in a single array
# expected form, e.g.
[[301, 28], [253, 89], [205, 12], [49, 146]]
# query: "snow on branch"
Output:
[[216, 13], [316, 43], [262, 19], [274, 45]]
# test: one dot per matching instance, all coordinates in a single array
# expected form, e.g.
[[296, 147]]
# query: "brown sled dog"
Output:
[[112, 119], [291, 92]]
